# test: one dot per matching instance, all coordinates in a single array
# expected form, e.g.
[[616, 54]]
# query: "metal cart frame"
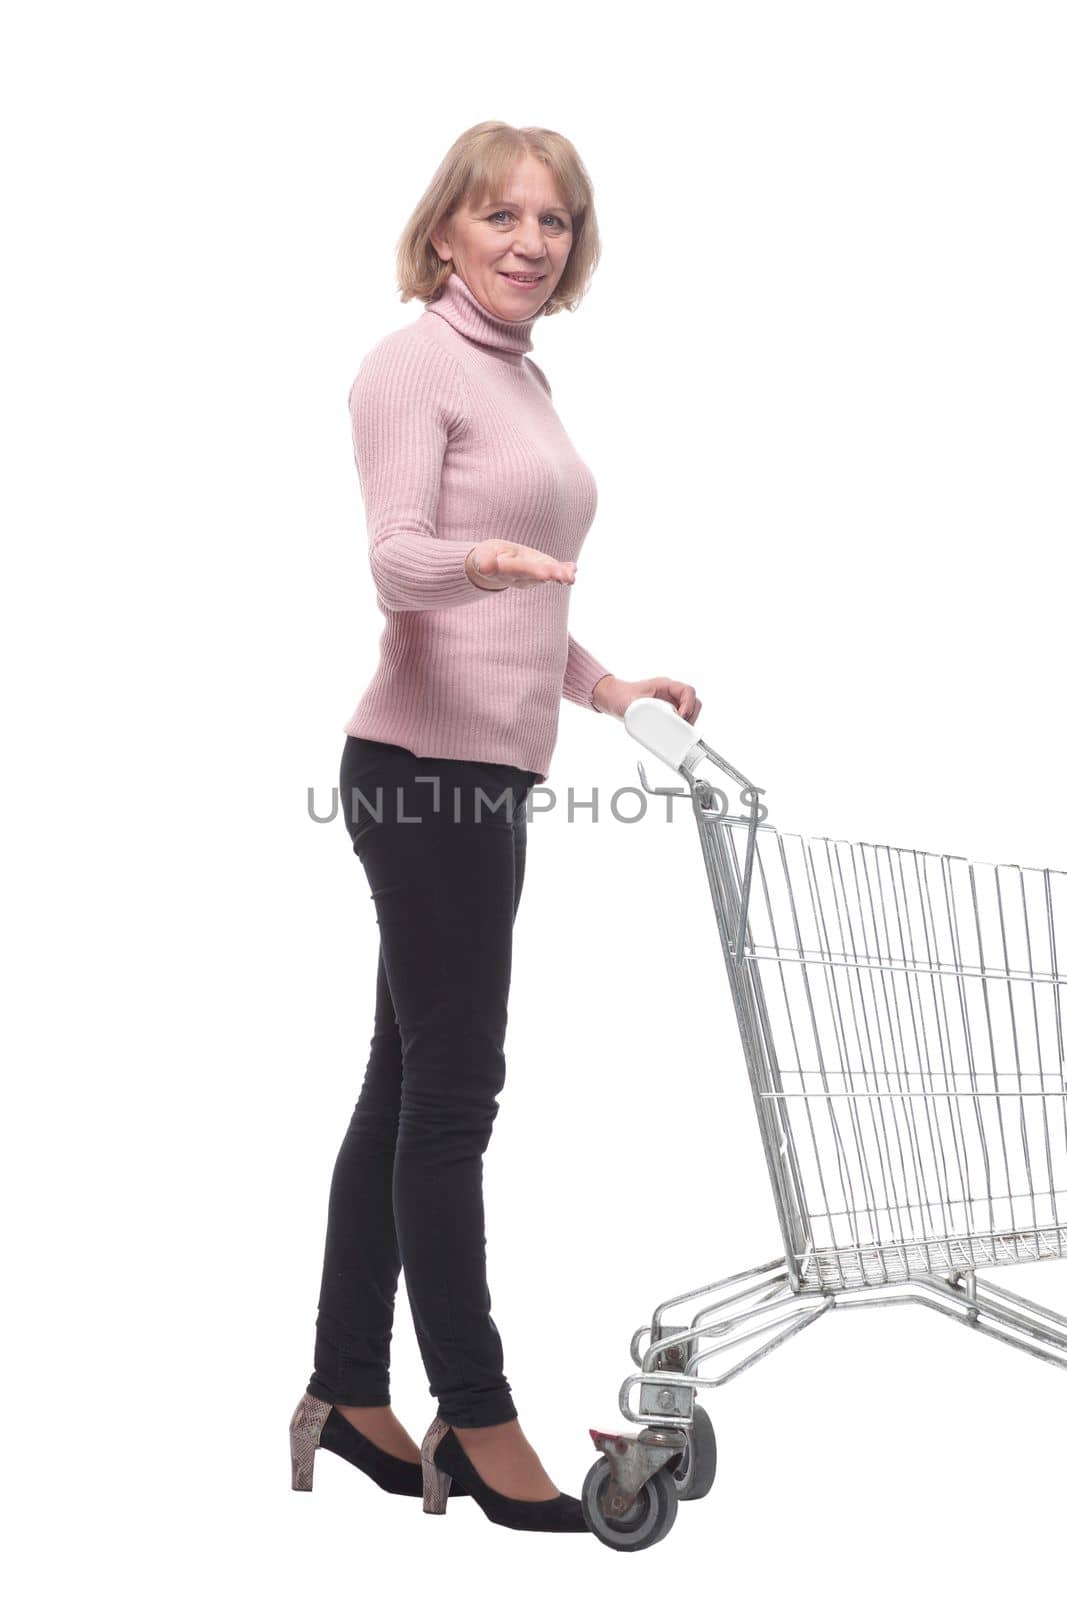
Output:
[[902, 1016]]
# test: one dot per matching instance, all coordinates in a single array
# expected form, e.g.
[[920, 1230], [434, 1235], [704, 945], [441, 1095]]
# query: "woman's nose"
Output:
[[529, 243]]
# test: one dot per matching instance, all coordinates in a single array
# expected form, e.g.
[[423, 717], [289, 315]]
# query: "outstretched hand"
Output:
[[613, 695], [498, 564]]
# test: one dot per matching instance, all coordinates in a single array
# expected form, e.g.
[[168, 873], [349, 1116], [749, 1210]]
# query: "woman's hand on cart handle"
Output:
[[498, 564], [613, 695]]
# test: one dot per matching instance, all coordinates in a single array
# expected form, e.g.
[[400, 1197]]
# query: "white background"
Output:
[[819, 378]]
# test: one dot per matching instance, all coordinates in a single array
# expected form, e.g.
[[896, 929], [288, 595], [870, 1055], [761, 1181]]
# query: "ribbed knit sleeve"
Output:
[[583, 672], [406, 403]]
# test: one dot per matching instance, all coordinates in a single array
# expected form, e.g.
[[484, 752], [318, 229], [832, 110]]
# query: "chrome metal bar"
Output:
[[1020, 1323]]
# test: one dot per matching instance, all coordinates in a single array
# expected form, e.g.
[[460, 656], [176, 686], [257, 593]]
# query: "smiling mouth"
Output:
[[524, 277]]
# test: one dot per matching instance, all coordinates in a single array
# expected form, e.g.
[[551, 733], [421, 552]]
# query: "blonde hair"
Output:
[[477, 165]]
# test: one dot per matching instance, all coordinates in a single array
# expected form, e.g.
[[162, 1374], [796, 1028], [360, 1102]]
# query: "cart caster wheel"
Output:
[[704, 1458], [648, 1520]]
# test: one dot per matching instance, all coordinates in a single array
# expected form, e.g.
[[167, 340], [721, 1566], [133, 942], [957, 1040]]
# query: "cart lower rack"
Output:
[[902, 1016]]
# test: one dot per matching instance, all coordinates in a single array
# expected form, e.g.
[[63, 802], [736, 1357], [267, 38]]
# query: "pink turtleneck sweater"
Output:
[[456, 440]]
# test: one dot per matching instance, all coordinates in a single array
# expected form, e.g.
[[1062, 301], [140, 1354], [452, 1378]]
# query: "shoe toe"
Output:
[[572, 1515]]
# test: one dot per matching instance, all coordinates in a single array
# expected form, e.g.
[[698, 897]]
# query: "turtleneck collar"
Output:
[[461, 308]]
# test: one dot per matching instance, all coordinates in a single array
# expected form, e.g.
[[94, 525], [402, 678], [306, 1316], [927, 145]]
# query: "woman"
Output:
[[477, 506]]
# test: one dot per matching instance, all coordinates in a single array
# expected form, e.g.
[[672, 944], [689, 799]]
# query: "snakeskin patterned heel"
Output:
[[305, 1431], [317, 1425], [435, 1482]]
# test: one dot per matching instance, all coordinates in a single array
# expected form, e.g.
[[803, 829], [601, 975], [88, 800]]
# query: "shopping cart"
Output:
[[902, 1016]]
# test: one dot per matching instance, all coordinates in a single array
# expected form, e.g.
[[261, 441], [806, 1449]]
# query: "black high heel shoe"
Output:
[[447, 1466], [316, 1423]]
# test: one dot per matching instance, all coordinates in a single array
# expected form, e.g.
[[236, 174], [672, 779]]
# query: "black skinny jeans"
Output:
[[407, 1184]]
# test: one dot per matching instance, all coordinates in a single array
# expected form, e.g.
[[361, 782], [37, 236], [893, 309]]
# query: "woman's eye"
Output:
[[556, 222]]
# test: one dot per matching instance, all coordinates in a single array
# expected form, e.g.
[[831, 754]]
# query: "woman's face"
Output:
[[525, 229]]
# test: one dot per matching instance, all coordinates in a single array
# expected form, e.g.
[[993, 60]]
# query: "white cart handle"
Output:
[[655, 724]]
